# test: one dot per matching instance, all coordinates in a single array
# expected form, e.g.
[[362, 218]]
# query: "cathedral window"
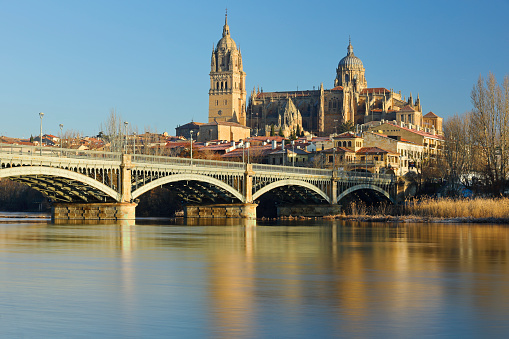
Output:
[[226, 85], [217, 85]]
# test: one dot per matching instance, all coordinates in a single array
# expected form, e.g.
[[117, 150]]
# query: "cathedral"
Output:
[[227, 94], [318, 111]]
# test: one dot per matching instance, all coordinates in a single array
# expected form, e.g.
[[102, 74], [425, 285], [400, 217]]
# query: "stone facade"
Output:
[[228, 131], [322, 110], [221, 211], [227, 94], [95, 211]]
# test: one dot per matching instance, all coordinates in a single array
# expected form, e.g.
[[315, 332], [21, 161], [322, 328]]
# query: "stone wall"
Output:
[[95, 211], [308, 210], [221, 211]]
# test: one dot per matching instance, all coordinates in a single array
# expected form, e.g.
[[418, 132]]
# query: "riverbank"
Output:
[[435, 210]]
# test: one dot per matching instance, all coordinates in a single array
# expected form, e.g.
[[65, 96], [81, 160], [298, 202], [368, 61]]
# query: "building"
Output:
[[227, 94], [320, 111], [185, 130], [220, 130], [430, 140]]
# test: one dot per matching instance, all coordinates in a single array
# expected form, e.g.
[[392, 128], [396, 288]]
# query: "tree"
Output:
[[112, 131], [456, 156], [280, 133], [347, 126], [299, 132], [272, 132], [490, 131], [31, 138]]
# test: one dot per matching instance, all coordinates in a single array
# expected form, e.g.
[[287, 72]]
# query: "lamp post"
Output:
[[293, 150], [257, 126], [134, 143], [40, 133], [191, 146], [61, 126], [125, 144]]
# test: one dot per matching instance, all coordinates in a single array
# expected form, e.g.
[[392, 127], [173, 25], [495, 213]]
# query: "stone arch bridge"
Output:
[[106, 185]]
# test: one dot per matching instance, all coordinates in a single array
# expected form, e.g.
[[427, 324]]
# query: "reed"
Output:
[[458, 208]]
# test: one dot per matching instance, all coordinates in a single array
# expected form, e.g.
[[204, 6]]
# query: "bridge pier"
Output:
[[308, 210], [94, 211], [247, 211]]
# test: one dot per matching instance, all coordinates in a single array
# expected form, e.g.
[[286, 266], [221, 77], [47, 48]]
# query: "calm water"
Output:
[[300, 280]]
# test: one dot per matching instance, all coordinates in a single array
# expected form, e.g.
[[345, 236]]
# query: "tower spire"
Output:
[[226, 29]]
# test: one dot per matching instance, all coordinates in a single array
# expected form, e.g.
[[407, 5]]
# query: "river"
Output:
[[220, 278]]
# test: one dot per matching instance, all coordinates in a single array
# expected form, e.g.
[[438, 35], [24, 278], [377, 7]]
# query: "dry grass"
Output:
[[458, 208]]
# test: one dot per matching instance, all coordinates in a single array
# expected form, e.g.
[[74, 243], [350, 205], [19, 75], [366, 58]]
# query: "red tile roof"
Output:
[[372, 150], [431, 115]]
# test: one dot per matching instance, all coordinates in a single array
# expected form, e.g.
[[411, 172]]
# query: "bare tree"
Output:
[[490, 130], [456, 156], [112, 131]]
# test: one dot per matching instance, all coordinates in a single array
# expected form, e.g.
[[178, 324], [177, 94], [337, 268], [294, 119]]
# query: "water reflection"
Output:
[[230, 279]]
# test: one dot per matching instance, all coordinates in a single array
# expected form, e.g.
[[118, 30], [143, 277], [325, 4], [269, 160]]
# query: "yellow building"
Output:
[[227, 94], [322, 110]]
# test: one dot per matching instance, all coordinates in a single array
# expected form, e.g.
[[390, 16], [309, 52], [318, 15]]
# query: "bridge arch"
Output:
[[363, 187], [187, 177], [21, 171], [289, 182]]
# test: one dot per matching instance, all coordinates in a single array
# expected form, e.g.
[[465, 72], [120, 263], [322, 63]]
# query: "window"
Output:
[[349, 144]]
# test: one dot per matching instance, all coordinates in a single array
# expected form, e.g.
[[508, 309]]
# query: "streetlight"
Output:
[[40, 132], [134, 143], [61, 126], [125, 145], [191, 147], [293, 150]]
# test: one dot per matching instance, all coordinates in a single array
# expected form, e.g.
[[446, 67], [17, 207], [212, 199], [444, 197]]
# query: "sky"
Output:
[[149, 60]]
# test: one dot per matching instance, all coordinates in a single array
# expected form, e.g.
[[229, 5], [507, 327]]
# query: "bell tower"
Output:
[[227, 94]]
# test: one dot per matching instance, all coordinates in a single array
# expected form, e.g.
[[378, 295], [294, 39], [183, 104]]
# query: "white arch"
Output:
[[58, 172], [187, 177], [364, 186], [289, 182]]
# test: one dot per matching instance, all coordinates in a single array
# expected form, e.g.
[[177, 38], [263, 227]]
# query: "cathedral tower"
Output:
[[227, 94]]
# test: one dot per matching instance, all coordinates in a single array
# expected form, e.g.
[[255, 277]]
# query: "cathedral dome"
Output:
[[226, 42], [350, 61]]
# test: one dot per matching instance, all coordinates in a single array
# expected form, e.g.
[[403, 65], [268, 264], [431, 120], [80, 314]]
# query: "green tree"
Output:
[[347, 126], [299, 132], [281, 134], [272, 132], [31, 138]]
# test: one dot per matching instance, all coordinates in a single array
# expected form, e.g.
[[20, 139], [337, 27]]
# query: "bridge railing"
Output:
[[139, 158], [56, 152], [291, 169], [363, 175]]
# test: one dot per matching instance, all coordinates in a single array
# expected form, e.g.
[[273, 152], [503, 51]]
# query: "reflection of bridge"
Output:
[[92, 184]]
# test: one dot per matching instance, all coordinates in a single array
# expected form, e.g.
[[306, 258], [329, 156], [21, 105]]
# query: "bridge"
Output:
[[107, 185]]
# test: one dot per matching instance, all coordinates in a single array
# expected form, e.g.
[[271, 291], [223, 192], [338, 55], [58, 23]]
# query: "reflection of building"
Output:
[[227, 94], [322, 110]]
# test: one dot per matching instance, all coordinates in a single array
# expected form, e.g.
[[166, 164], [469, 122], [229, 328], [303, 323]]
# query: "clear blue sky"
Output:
[[150, 60]]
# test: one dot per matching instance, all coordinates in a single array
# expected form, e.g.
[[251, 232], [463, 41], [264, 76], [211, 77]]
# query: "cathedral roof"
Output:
[[350, 61], [226, 42], [375, 90], [407, 108], [431, 115]]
